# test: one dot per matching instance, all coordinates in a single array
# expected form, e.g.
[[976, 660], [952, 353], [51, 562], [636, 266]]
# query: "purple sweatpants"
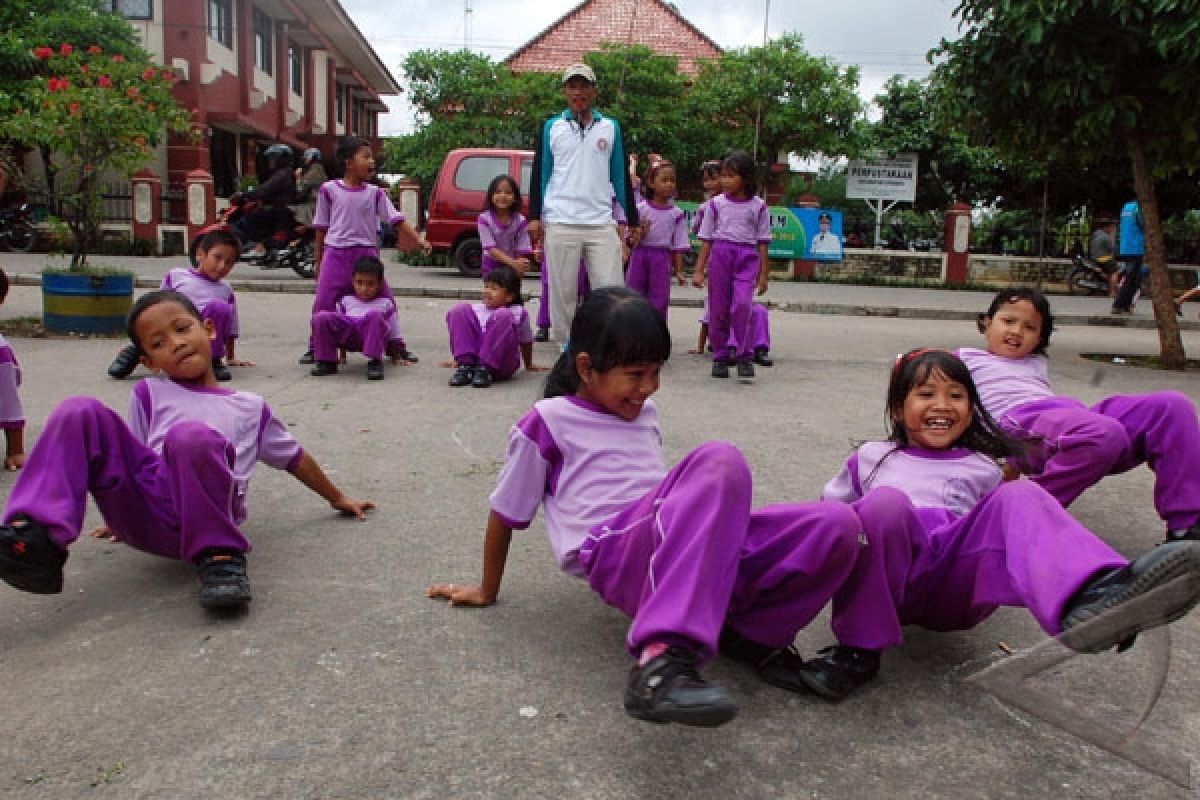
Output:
[[760, 327], [585, 288], [691, 554], [496, 348], [176, 505], [336, 278], [732, 278], [221, 315], [650, 271], [1080, 445], [1017, 547], [332, 329]]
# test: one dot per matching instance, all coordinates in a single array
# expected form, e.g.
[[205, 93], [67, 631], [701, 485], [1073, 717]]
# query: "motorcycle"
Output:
[[17, 234], [293, 249], [1087, 277]]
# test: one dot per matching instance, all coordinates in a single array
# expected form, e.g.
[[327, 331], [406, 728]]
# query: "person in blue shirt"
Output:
[[1131, 252]]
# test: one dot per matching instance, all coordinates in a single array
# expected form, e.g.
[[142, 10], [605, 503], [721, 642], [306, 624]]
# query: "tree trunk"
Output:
[[1170, 343]]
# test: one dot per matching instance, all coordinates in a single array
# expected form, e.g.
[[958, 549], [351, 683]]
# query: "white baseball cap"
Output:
[[579, 71]]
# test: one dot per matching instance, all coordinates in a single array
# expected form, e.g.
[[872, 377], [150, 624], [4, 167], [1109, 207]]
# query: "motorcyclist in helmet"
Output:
[[309, 177], [274, 194]]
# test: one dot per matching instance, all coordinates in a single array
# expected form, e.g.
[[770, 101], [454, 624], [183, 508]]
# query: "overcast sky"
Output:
[[883, 37]]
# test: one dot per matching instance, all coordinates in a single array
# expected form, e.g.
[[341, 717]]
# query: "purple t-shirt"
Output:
[[350, 215], [511, 239], [354, 308], [1005, 383], [159, 403], [202, 290], [667, 227], [941, 484], [583, 464], [12, 416], [737, 221]]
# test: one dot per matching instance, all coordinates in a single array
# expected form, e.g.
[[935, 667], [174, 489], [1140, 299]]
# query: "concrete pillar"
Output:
[[147, 205], [201, 202], [957, 236]]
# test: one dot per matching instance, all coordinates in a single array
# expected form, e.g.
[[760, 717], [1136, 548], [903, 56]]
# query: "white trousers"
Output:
[[600, 249]]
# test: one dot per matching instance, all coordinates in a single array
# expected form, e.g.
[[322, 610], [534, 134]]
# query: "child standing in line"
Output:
[[206, 287], [346, 222], [664, 240], [948, 541], [502, 228], [679, 551], [172, 482], [1072, 446], [489, 340], [12, 415], [735, 233], [360, 322]]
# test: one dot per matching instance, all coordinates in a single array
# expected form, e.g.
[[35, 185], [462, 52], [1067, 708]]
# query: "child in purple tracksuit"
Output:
[[948, 541], [12, 416], [172, 481], [735, 232], [206, 287], [502, 228], [361, 322], [679, 551], [760, 334], [346, 222], [664, 240], [490, 339], [1072, 446]]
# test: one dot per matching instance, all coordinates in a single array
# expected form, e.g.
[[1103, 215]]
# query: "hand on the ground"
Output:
[[14, 462], [104, 532], [353, 508], [459, 595], [239, 362], [451, 364]]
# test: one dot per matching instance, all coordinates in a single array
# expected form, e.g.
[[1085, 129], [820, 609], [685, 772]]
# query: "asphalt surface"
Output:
[[343, 681]]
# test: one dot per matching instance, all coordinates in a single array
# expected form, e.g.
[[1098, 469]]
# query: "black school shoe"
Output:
[[745, 369], [720, 368], [324, 368], [762, 357], [838, 670], [1109, 611], [463, 375], [307, 358], [542, 335], [375, 369], [1185, 534], [221, 371], [483, 377], [223, 581], [778, 667], [29, 561], [669, 689], [125, 363]]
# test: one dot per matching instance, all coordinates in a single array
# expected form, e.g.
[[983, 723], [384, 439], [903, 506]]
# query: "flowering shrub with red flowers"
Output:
[[99, 116]]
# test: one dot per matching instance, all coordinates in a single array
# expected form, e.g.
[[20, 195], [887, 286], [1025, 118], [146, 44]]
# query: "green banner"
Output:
[[787, 232]]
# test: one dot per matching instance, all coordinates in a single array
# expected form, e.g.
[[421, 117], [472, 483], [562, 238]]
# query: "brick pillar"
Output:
[[803, 268], [201, 202], [958, 243], [147, 205]]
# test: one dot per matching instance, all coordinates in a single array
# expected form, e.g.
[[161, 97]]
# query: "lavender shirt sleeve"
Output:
[[487, 237], [524, 245], [708, 222], [679, 238], [526, 476], [845, 486], [12, 416], [324, 204], [384, 209], [276, 446], [235, 327]]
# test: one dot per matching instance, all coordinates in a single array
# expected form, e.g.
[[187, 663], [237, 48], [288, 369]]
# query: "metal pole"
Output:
[[761, 58]]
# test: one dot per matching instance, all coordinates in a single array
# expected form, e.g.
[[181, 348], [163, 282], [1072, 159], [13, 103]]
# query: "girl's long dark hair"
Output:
[[507, 279], [516, 190], [616, 326], [1036, 299], [915, 367], [740, 162]]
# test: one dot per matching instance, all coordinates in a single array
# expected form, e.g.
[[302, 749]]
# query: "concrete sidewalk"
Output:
[[783, 295]]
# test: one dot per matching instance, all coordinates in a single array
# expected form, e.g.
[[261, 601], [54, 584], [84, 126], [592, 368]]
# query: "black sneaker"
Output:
[[403, 354], [1116, 605], [307, 358], [125, 363], [29, 561], [745, 369], [463, 375], [669, 689], [1185, 534], [221, 371], [223, 581], [483, 377], [720, 368], [778, 667], [762, 357], [375, 369], [542, 335], [324, 368], [839, 670]]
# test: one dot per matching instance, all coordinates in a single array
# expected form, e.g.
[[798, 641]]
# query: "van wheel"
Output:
[[468, 257]]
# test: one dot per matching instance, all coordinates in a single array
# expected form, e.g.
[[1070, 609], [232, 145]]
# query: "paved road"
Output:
[[343, 681]]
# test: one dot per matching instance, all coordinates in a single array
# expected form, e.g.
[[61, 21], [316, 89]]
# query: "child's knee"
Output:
[[76, 411], [882, 505], [191, 439], [724, 462]]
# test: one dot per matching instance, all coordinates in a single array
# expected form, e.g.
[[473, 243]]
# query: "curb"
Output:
[[791, 307]]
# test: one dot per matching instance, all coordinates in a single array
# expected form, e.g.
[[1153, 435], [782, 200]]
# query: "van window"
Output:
[[474, 173], [526, 171]]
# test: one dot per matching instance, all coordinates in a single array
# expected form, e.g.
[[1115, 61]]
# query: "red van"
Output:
[[459, 195]]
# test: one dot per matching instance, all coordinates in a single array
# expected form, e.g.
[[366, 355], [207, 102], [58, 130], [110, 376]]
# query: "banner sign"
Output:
[[796, 233], [883, 178]]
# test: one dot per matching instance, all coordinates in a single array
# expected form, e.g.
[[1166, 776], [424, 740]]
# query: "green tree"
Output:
[[1078, 81], [98, 113]]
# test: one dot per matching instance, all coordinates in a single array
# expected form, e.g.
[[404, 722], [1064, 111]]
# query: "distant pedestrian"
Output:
[[734, 235], [1131, 252]]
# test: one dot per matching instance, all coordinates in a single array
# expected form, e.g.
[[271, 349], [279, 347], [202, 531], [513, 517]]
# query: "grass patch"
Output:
[[31, 328]]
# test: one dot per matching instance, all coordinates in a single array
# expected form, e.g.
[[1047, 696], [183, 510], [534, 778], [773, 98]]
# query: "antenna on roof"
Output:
[[467, 25]]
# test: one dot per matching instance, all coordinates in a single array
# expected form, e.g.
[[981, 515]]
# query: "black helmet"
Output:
[[278, 155], [310, 155]]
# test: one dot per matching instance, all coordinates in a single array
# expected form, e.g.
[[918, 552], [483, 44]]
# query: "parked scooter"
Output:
[[1087, 277], [295, 251], [17, 233]]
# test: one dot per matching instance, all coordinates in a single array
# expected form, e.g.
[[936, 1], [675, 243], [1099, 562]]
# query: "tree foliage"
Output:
[[1078, 82]]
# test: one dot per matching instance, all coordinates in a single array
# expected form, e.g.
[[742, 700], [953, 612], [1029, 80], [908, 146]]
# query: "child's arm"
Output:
[[678, 259], [318, 251], [527, 357], [230, 358], [309, 473], [14, 457], [702, 340], [495, 553], [701, 264], [405, 233], [764, 268]]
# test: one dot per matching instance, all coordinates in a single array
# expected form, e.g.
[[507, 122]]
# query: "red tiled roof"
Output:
[[654, 23]]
